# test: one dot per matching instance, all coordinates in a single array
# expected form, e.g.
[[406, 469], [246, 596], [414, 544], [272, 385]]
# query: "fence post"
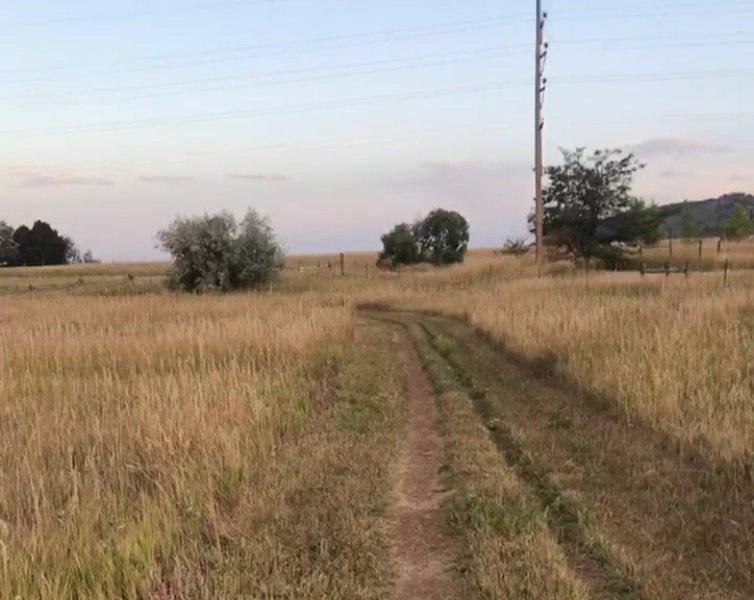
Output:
[[642, 269], [342, 264], [686, 270], [670, 247], [641, 251], [667, 269], [700, 249], [719, 245], [725, 273]]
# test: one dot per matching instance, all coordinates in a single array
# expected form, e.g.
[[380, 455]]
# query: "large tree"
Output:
[[212, 252], [8, 247], [40, 245], [399, 247], [589, 208], [440, 238], [443, 237]]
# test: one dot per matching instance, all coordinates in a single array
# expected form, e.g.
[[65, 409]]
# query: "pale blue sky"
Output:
[[338, 118]]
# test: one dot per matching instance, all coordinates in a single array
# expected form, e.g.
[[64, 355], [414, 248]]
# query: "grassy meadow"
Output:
[[154, 445]]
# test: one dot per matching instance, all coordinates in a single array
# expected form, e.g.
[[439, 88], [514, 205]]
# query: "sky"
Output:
[[339, 118]]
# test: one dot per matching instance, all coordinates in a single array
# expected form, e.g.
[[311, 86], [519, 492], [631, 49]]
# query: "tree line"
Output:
[[38, 245], [589, 212]]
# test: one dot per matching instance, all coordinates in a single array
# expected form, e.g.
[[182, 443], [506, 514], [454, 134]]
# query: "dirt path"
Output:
[[424, 550]]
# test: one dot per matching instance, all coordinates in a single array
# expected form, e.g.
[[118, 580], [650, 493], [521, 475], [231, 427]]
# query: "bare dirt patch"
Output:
[[425, 552]]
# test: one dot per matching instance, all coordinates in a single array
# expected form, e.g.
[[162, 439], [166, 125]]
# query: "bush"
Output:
[[399, 247], [441, 238], [214, 253], [516, 247]]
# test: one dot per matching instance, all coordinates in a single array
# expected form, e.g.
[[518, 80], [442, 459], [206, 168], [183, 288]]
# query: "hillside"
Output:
[[709, 214]]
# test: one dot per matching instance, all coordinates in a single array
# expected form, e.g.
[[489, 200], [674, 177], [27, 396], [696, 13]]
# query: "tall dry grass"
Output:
[[676, 353], [131, 428]]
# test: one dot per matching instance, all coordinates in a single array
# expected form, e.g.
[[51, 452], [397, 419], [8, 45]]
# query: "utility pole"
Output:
[[540, 51]]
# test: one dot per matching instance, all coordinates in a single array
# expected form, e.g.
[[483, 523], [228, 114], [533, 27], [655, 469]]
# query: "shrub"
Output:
[[214, 253]]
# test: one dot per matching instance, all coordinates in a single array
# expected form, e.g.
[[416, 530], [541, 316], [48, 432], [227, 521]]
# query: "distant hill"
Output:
[[709, 214]]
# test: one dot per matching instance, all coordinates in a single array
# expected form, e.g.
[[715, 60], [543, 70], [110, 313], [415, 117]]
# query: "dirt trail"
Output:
[[424, 550]]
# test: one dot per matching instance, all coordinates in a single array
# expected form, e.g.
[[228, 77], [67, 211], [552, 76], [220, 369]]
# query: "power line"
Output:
[[378, 99], [279, 48], [370, 66], [267, 111], [172, 11]]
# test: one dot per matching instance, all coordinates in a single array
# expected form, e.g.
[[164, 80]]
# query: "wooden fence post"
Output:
[[342, 264], [670, 247], [641, 250], [725, 273], [667, 269], [700, 249], [642, 269], [719, 245]]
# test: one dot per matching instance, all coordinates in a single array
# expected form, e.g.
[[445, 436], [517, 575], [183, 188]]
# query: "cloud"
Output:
[[455, 167], [677, 147], [260, 176], [60, 181], [26, 175], [165, 179]]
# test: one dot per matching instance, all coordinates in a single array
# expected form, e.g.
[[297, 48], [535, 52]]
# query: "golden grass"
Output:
[[676, 353], [135, 429], [133, 432]]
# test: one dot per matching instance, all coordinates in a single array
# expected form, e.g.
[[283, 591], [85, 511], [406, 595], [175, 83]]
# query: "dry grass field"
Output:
[[158, 446]]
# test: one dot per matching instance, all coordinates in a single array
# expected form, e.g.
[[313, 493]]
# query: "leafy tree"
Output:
[[89, 257], [443, 237], [73, 254], [738, 224], [213, 253], [399, 247], [588, 207], [8, 247], [40, 245], [689, 228]]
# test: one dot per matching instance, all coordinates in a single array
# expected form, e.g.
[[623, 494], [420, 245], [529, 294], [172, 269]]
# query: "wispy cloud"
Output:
[[259, 176], [166, 179], [459, 166], [676, 147], [60, 181], [25, 175]]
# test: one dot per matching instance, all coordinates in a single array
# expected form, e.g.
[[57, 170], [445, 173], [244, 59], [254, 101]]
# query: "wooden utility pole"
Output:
[[540, 51]]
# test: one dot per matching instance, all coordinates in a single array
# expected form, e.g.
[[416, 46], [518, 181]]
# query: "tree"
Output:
[[73, 254], [443, 237], [738, 224], [212, 252], [89, 257], [8, 246], [588, 207], [689, 228], [41, 245], [399, 247]]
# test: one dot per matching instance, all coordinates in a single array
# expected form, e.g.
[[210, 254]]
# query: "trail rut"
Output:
[[424, 550]]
